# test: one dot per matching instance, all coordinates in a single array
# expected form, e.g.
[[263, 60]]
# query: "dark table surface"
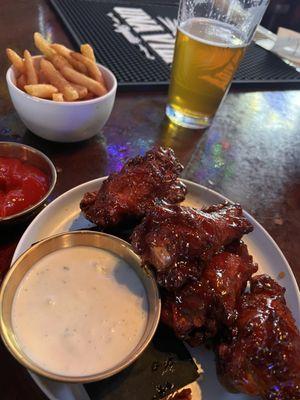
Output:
[[250, 154]]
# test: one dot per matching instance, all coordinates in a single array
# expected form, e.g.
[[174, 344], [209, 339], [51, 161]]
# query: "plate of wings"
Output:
[[224, 282]]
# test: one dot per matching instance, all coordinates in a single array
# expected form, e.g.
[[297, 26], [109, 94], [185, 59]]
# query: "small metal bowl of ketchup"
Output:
[[27, 178]]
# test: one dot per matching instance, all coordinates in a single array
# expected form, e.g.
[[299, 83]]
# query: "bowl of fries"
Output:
[[61, 95]]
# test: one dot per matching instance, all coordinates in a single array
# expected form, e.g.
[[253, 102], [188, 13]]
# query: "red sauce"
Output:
[[21, 185]]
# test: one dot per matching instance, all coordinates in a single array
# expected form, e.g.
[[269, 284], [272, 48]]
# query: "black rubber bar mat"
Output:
[[136, 42], [164, 367]]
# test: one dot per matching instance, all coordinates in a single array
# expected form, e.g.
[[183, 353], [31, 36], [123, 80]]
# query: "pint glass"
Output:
[[212, 36]]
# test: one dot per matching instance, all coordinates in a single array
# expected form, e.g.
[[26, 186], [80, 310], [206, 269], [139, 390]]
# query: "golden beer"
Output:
[[207, 54]]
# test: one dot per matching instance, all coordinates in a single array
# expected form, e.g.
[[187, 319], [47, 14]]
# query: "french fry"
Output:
[[43, 91], [61, 49], [88, 52], [93, 70], [15, 60], [57, 80], [76, 77], [61, 75], [89, 96], [31, 75], [21, 81], [65, 52], [81, 90], [42, 77], [60, 61], [58, 97], [78, 65], [43, 45]]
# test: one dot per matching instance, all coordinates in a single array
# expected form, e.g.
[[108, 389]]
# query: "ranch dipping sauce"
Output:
[[79, 311]]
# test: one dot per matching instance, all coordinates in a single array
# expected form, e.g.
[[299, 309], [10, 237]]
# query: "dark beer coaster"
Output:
[[135, 40], [164, 367]]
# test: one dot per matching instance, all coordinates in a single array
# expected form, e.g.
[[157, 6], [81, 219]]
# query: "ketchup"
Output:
[[21, 185]]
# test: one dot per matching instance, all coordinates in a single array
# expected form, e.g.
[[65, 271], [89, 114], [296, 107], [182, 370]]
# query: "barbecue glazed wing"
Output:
[[187, 271], [180, 274], [201, 308], [263, 357], [170, 234], [131, 192]]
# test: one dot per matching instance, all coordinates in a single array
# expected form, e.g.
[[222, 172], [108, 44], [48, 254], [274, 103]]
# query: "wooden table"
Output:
[[251, 154]]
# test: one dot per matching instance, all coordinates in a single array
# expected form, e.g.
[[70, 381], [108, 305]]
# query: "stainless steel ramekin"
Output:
[[39, 160], [65, 240]]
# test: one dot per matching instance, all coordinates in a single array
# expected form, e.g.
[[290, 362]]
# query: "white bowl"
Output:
[[63, 121]]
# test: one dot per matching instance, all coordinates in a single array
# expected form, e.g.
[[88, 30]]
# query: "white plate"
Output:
[[63, 214]]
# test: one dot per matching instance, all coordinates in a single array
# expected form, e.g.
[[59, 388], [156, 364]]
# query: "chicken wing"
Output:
[[137, 187], [180, 274], [170, 234], [202, 307], [263, 357]]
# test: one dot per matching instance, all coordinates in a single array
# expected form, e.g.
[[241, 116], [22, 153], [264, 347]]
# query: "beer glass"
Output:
[[212, 36]]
